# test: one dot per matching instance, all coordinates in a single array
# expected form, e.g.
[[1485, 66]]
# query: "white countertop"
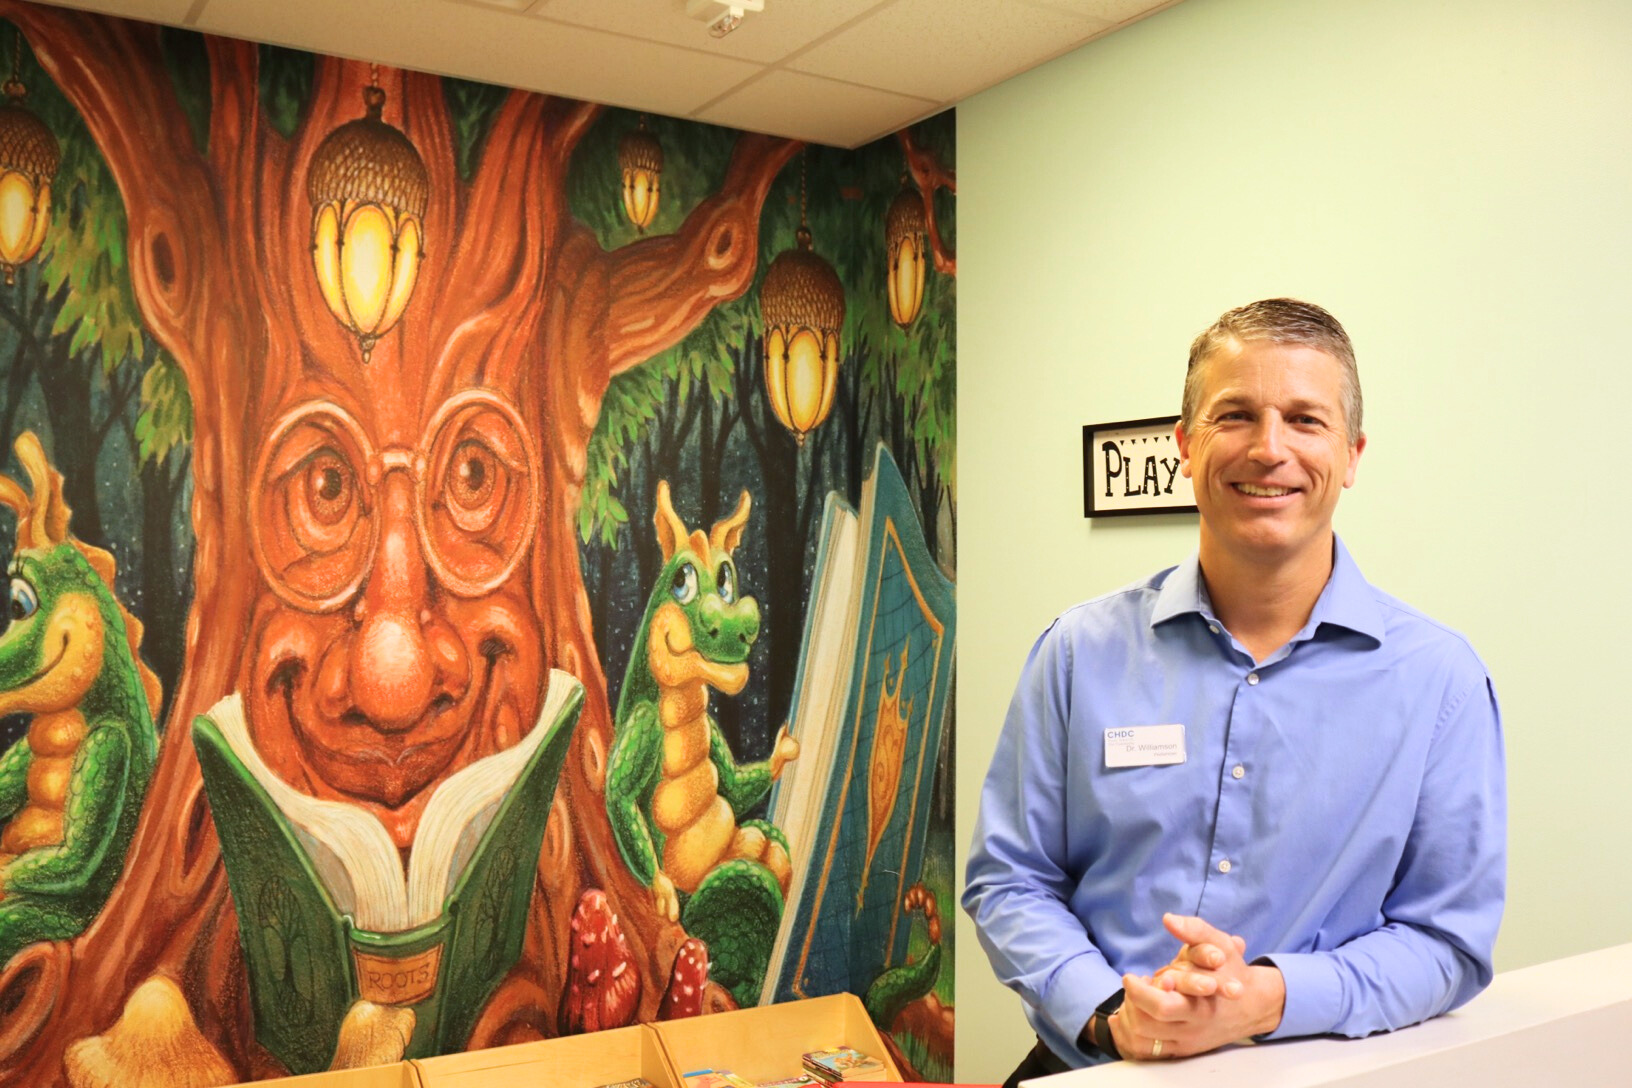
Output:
[[1566, 1023]]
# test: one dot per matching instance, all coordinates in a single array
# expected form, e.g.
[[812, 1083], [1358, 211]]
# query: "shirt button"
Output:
[[1252, 678], [1237, 771], [1213, 627], [1224, 866]]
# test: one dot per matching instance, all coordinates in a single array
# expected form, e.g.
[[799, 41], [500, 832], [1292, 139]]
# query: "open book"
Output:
[[869, 699], [326, 912]]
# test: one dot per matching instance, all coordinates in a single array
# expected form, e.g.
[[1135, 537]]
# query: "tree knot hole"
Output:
[[164, 260], [27, 995], [725, 243]]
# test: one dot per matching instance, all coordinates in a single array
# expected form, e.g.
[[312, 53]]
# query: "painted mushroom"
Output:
[[603, 983], [684, 997]]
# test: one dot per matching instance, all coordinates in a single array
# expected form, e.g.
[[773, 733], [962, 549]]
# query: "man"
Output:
[[1250, 796]]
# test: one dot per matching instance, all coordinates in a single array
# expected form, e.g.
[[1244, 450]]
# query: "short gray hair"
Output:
[[1279, 321]]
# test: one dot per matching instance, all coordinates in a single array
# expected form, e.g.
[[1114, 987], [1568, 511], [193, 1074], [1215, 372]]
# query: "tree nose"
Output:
[[392, 675]]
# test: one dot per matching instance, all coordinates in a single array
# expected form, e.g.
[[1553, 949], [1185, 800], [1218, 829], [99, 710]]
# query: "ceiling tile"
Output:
[[511, 50], [173, 12], [507, 5], [784, 27], [815, 109], [942, 51], [1113, 12]]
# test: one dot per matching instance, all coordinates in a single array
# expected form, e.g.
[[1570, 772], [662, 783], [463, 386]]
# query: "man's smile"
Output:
[[1263, 491]]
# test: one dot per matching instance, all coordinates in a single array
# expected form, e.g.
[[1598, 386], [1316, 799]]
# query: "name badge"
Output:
[[1144, 745]]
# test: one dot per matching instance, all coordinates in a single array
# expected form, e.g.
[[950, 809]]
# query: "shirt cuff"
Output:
[[1314, 994], [1077, 990]]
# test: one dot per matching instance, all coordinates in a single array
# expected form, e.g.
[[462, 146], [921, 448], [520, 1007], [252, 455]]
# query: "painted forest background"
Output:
[[171, 315]]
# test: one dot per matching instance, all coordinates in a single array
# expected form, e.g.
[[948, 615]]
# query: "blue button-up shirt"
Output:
[[1341, 805]]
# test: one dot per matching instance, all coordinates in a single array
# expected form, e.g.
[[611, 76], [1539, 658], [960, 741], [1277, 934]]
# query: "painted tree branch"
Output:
[[122, 385], [662, 287], [566, 120], [114, 73], [929, 175]]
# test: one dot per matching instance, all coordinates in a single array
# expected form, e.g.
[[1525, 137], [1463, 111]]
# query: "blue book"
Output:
[[870, 698]]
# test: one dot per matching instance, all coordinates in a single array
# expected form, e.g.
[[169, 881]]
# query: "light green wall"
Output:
[[1454, 181]]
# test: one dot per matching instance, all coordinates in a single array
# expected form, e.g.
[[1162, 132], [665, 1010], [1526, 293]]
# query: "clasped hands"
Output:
[[1207, 997]]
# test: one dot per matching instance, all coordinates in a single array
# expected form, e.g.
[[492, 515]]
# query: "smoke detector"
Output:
[[722, 16]]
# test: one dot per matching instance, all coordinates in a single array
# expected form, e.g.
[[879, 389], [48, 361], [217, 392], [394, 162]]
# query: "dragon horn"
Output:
[[670, 529], [49, 525], [13, 495], [727, 533]]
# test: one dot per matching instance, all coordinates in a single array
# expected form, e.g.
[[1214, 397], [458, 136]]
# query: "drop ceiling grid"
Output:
[[1114, 12], [833, 71], [785, 26], [934, 50], [814, 109], [496, 47]]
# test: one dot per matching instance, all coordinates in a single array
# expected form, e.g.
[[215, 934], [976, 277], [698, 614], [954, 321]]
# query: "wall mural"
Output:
[[481, 564]]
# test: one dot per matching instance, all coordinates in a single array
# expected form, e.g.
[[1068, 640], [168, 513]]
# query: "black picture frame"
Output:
[[1097, 477]]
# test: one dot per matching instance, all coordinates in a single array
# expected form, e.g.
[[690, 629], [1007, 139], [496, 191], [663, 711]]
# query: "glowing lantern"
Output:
[[904, 231], [368, 188], [28, 162], [802, 303], [640, 157]]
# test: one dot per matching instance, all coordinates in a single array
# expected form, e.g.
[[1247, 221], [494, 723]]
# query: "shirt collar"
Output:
[[1347, 600]]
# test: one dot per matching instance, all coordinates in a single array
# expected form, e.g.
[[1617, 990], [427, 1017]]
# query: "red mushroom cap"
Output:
[[684, 997], [603, 983]]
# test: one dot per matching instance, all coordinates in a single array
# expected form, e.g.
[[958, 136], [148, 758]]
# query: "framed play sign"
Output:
[[1132, 467]]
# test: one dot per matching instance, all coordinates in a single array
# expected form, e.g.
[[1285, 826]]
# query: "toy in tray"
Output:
[[843, 1063], [715, 1078]]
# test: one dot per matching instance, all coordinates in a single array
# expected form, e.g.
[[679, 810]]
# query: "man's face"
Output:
[[1269, 451]]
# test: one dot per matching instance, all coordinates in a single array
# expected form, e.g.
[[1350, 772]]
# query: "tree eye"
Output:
[[727, 580], [684, 586], [329, 490], [24, 601], [477, 486]]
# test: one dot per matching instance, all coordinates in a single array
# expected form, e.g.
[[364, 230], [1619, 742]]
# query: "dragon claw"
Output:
[[665, 898]]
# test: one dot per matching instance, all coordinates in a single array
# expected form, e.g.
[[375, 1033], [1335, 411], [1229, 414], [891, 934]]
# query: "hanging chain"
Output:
[[13, 88], [804, 170], [373, 96]]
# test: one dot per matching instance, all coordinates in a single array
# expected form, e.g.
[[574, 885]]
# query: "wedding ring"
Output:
[[1155, 1048]]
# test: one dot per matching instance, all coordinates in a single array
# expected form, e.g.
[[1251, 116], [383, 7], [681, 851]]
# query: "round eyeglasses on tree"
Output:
[[315, 499]]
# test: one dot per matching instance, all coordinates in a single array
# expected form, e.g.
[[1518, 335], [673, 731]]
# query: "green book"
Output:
[[870, 698], [326, 912]]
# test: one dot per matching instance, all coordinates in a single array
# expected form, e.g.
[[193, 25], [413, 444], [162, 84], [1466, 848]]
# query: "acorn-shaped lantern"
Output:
[[368, 188], [904, 231], [28, 163], [640, 158], [802, 304]]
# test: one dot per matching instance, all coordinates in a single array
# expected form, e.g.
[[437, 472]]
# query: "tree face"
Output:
[[394, 639]]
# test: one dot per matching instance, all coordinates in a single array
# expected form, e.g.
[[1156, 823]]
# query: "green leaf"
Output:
[[285, 77], [166, 419], [472, 107]]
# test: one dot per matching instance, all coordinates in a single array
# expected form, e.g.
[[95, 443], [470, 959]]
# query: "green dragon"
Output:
[[71, 789], [674, 789]]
